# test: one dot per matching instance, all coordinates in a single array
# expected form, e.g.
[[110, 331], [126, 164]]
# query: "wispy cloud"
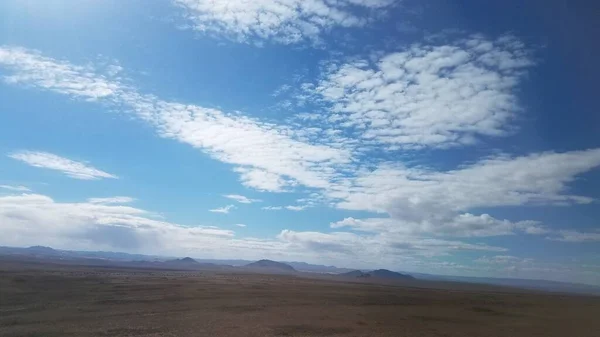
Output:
[[240, 225], [576, 236], [224, 209], [268, 156], [462, 225], [296, 208], [61, 77], [71, 168], [241, 199], [15, 188], [282, 21], [111, 200]]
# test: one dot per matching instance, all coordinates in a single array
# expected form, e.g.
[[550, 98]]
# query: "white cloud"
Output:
[[371, 247], [37, 70], [282, 21], [524, 267], [240, 225], [16, 188], [224, 209], [418, 194], [462, 225], [241, 199], [429, 95], [33, 218], [421, 201], [295, 208], [575, 236], [111, 200], [503, 260], [70, 168]]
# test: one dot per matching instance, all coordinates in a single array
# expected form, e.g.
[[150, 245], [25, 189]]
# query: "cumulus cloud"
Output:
[[16, 188], [70, 168], [281, 21], [429, 95], [241, 199], [31, 218], [224, 209]]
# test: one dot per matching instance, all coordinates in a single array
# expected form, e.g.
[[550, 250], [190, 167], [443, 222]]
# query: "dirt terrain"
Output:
[[49, 300]]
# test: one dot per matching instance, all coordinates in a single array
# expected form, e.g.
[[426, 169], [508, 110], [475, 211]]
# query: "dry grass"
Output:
[[80, 301]]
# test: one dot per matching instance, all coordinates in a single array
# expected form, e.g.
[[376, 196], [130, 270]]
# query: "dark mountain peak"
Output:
[[185, 260], [379, 273], [273, 265], [384, 273], [354, 273], [41, 248]]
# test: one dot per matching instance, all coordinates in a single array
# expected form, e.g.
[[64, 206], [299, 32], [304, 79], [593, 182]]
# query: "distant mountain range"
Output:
[[117, 259]]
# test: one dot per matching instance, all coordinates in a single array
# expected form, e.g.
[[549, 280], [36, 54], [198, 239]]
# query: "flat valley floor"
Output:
[[52, 300]]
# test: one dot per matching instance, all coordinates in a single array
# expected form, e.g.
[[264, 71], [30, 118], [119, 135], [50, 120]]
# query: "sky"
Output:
[[446, 137]]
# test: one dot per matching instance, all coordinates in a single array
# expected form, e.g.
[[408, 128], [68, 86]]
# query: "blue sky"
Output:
[[439, 136]]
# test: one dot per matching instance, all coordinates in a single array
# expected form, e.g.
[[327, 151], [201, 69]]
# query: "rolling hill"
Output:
[[271, 266]]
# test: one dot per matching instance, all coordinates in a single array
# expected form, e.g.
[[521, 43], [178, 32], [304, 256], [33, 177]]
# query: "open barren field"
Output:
[[39, 300]]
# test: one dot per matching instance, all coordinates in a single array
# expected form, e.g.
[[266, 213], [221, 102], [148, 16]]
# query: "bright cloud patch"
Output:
[[111, 200], [241, 199], [283, 21], [575, 236], [421, 195], [15, 188], [32, 217], [70, 168], [56, 76], [463, 225], [224, 209], [429, 95]]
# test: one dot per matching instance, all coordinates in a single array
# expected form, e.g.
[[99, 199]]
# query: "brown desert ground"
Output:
[[53, 300]]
